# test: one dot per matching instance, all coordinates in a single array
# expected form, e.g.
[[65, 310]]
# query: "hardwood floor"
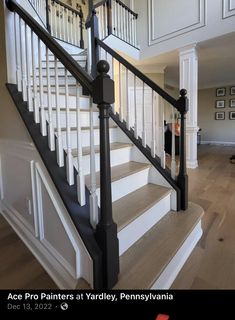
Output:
[[212, 185], [210, 266]]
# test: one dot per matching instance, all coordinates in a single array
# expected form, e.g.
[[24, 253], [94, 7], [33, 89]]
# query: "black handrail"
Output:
[[68, 7], [120, 3], [65, 58], [138, 73]]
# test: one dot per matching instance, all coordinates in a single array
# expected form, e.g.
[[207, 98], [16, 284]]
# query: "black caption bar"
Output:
[[146, 305]]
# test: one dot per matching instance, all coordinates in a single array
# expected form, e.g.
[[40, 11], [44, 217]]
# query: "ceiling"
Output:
[[216, 59]]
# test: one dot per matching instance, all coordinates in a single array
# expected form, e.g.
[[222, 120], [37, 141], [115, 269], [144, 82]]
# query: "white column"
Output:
[[189, 80]]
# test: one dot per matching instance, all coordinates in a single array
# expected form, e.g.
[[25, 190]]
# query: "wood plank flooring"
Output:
[[212, 185]]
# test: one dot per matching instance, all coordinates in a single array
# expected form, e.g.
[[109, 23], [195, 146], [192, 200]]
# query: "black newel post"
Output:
[[106, 230], [47, 17], [109, 17], [182, 180], [81, 28]]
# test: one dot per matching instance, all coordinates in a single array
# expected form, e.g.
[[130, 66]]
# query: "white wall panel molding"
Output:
[[228, 8], [161, 12], [31, 204]]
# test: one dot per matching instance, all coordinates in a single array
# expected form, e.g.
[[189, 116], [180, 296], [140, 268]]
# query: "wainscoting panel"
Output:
[[32, 206], [228, 8], [166, 21]]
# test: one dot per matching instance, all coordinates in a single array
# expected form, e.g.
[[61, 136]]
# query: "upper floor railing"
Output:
[[61, 20], [117, 19]]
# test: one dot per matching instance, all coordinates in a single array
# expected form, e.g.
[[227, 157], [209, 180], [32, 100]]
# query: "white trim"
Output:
[[34, 198], [56, 271], [171, 271], [151, 23], [228, 10], [76, 272], [218, 143], [24, 222]]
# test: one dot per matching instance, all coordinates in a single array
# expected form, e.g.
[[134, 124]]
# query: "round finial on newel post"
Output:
[[103, 67], [183, 92]]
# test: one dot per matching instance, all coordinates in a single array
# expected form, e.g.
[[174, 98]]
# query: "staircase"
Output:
[[139, 215]]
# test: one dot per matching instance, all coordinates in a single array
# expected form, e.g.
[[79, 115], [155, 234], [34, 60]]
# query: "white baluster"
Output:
[[69, 157], [94, 219], [64, 24], [23, 64], [162, 132], [135, 110], [17, 52], [28, 68], [143, 119], [127, 103], [120, 93], [153, 141], [59, 145], [173, 162], [51, 132], [80, 176], [41, 95], [35, 88]]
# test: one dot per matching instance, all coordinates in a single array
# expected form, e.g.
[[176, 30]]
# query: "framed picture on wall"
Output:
[[220, 92], [232, 115], [220, 115], [232, 103], [232, 91], [220, 103]]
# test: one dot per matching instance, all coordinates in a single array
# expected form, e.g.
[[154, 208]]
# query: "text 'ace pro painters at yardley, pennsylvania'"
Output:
[[87, 296]]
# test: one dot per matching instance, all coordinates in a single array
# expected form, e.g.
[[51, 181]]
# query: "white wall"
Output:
[[217, 131], [166, 25]]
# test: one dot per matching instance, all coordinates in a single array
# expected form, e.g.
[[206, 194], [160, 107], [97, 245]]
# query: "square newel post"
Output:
[[182, 180], [106, 229]]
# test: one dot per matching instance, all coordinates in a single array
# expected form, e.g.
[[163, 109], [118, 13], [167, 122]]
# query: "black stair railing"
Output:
[[130, 82], [62, 21], [117, 19]]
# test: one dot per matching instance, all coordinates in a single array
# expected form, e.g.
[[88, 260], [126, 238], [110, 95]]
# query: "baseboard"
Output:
[[169, 274], [223, 143], [57, 272]]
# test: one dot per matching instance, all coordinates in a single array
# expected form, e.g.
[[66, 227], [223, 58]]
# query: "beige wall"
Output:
[[11, 125], [215, 130]]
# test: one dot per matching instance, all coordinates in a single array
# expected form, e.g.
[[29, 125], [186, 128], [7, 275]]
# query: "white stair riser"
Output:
[[117, 157], [84, 101], [86, 137], [82, 63], [84, 118], [137, 228], [61, 81], [124, 186]]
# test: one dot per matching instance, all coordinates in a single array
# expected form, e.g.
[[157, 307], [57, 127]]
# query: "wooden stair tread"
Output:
[[128, 208], [71, 109], [142, 264], [86, 128], [120, 171], [113, 146]]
